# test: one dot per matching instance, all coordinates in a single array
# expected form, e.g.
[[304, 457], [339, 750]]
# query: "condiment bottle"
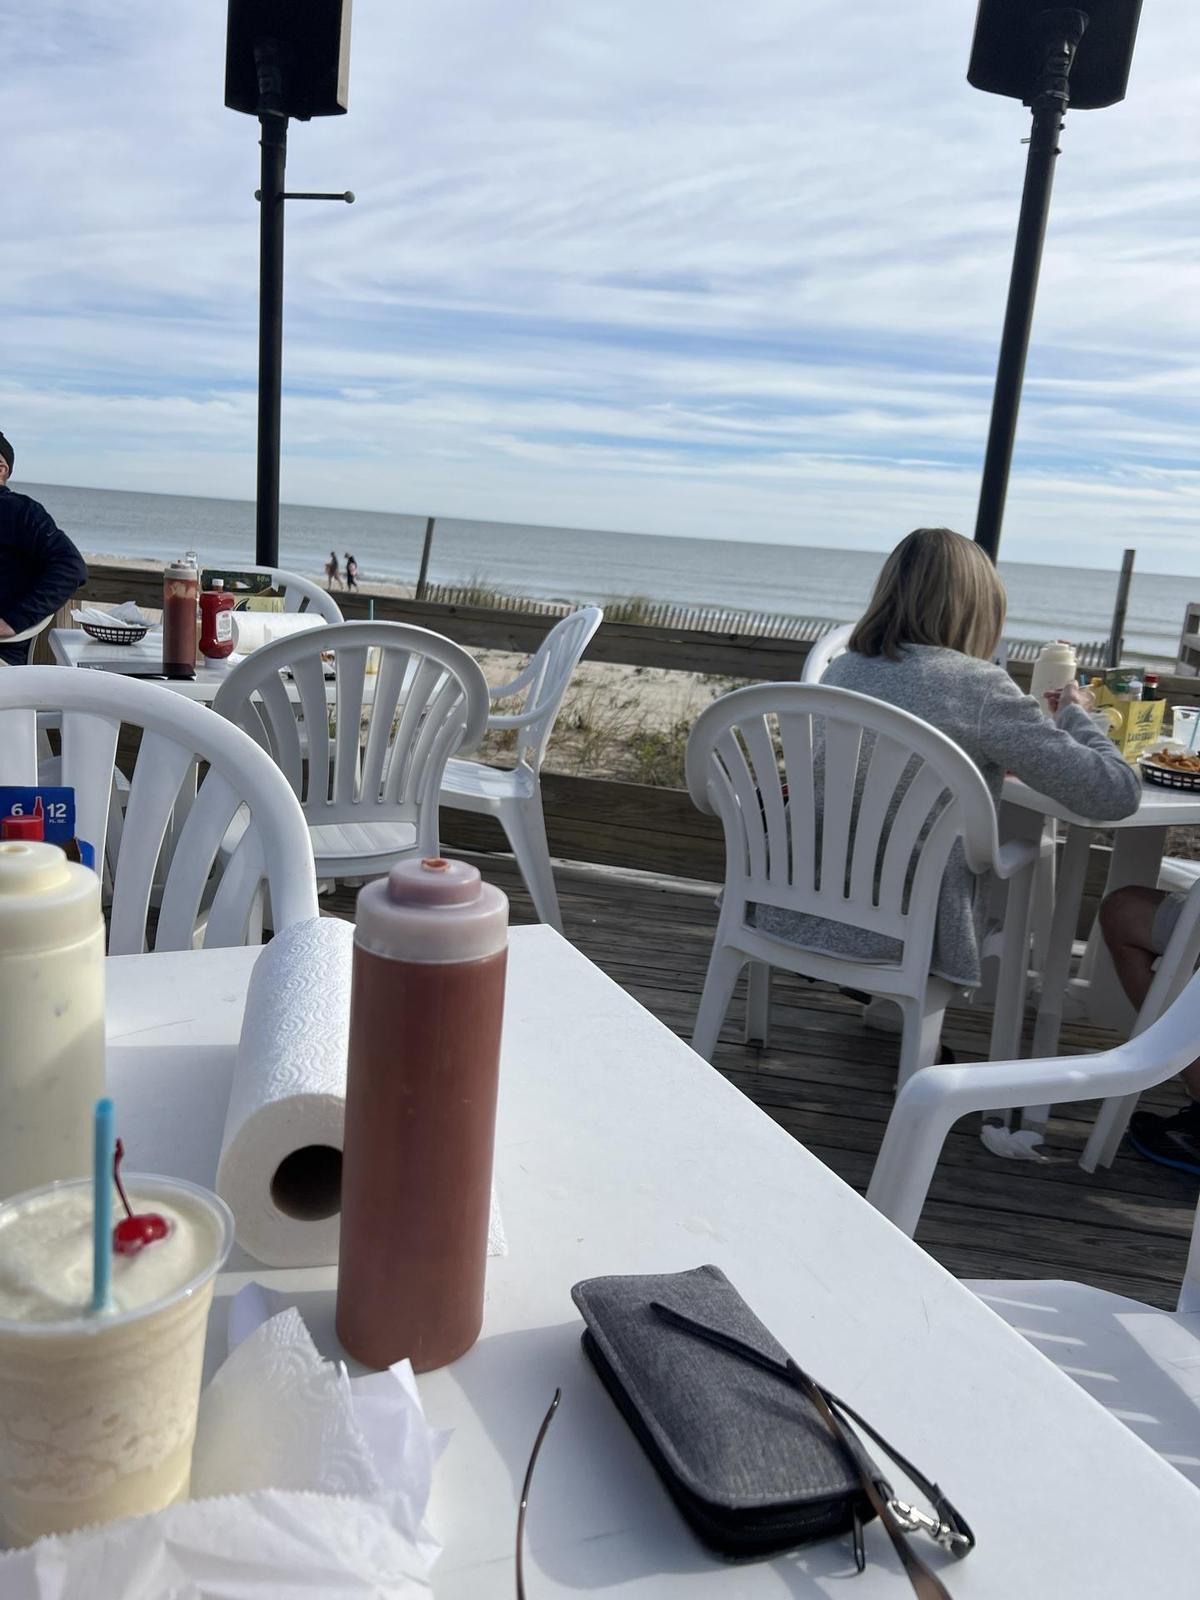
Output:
[[216, 622], [181, 582], [51, 1014], [1054, 668], [427, 1000], [29, 825], [1150, 687]]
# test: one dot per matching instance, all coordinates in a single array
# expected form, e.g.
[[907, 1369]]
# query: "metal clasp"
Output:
[[913, 1520]]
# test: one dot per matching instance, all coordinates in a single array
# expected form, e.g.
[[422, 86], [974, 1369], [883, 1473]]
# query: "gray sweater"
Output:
[[980, 707]]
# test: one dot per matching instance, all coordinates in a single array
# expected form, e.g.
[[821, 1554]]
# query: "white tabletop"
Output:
[[618, 1151], [1158, 808], [71, 647]]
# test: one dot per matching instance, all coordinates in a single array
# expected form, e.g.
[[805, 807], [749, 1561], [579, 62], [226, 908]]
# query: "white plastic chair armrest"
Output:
[[1014, 856], [503, 691], [29, 633], [935, 1098]]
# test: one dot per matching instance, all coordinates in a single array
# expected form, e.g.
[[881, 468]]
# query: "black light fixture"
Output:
[[282, 59], [1048, 58]]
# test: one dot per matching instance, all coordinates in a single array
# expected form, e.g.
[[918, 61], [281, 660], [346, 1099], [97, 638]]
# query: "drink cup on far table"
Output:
[[98, 1410]]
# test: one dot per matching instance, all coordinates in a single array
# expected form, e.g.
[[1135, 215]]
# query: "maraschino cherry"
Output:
[[133, 1232]]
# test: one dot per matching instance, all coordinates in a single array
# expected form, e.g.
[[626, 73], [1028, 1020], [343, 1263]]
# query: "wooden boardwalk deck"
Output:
[[829, 1081]]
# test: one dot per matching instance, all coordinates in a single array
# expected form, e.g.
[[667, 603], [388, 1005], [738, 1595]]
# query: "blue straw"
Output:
[[102, 1207], [1195, 730]]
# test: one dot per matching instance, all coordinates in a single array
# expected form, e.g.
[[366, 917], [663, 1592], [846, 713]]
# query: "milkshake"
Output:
[[98, 1412]]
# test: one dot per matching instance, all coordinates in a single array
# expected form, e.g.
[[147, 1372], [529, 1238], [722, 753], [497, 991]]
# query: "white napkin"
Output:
[[129, 615], [318, 1486], [267, 1546], [277, 1415], [1022, 1144]]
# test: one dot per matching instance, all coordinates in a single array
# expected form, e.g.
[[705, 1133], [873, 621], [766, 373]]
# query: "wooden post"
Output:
[[423, 575], [1117, 637]]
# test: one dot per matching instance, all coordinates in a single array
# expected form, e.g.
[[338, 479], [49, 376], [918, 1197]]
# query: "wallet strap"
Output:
[[948, 1528]]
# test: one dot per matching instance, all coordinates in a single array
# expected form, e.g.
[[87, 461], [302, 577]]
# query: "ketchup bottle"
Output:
[[427, 1000], [216, 622]]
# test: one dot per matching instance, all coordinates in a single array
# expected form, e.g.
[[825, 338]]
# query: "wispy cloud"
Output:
[[684, 268]]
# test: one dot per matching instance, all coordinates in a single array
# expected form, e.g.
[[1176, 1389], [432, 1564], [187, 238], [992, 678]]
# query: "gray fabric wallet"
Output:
[[746, 1456]]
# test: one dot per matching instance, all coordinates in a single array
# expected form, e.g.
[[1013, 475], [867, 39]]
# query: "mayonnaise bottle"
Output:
[[51, 1014], [1054, 668]]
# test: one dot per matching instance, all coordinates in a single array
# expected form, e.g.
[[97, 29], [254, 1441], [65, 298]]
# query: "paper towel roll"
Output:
[[253, 629], [281, 1158]]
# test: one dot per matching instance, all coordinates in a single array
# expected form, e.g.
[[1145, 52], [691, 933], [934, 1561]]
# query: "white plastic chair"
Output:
[[826, 649], [920, 795], [1142, 1364], [300, 594], [514, 795], [369, 784], [927, 1108], [172, 829]]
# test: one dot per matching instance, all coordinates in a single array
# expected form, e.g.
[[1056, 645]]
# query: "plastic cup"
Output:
[[1183, 726], [98, 1412]]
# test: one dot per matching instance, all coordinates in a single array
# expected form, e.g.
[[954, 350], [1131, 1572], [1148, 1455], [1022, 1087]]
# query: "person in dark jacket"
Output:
[[40, 569]]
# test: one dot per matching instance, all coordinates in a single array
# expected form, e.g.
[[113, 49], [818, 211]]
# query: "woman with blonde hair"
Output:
[[925, 644]]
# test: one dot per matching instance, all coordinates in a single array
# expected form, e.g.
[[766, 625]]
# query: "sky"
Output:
[[675, 267]]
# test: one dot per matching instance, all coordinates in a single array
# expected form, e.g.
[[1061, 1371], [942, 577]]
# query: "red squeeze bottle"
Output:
[[427, 1001], [216, 623]]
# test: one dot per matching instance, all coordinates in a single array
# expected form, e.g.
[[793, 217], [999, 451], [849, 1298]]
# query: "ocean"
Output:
[[573, 564]]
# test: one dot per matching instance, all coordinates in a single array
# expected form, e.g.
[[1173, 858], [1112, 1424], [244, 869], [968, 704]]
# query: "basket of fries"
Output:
[[1171, 769]]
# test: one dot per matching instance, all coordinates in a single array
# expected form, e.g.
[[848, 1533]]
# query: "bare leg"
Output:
[[1126, 921]]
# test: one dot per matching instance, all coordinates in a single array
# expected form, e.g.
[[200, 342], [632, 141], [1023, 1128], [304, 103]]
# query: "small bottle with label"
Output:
[[216, 623]]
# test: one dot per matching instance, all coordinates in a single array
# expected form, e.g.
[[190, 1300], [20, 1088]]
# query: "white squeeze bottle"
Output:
[[51, 1014], [1054, 668]]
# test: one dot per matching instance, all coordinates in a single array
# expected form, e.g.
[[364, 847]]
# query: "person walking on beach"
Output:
[[40, 569], [351, 572], [332, 572]]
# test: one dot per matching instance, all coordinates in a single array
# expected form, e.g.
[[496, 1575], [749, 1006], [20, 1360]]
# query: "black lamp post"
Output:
[[1047, 58], [282, 60]]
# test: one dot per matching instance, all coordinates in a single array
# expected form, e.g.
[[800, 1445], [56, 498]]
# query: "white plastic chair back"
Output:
[[544, 682], [300, 594], [375, 752], [876, 864], [172, 828], [826, 649]]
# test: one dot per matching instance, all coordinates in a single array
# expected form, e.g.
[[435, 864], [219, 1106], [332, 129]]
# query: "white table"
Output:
[[71, 647], [619, 1150], [1137, 856]]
